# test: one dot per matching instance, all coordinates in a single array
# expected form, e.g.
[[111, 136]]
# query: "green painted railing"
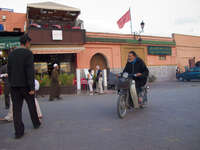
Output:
[[129, 41]]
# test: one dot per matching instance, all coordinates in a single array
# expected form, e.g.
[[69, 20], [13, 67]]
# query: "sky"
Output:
[[161, 17]]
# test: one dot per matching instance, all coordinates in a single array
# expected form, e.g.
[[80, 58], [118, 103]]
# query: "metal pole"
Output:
[[130, 21], [78, 80]]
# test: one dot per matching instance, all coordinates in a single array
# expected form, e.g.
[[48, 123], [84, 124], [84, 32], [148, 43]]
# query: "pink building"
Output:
[[110, 52], [187, 47]]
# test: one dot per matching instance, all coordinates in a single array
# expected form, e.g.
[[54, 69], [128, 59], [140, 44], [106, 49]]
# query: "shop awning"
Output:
[[52, 6], [46, 11], [159, 50], [9, 42], [57, 50]]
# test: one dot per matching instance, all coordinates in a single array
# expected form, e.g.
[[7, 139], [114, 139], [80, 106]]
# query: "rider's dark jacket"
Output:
[[137, 66]]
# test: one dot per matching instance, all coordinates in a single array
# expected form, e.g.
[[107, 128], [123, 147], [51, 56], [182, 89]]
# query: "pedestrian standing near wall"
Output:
[[100, 83], [21, 82], [55, 85], [99, 80], [90, 81], [98, 70]]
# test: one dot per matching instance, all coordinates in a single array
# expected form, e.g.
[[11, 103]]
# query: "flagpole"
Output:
[[130, 21]]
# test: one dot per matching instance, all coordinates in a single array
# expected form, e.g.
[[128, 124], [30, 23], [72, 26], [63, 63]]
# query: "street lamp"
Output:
[[137, 35]]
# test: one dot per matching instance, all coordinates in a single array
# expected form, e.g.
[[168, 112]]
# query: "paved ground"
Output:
[[171, 122]]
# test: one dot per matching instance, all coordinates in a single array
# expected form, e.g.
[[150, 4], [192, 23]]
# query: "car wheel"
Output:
[[188, 80], [181, 79]]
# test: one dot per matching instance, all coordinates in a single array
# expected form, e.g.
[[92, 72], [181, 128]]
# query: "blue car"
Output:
[[191, 74]]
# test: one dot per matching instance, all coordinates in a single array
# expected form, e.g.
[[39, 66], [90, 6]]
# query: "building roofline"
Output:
[[185, 35], [108, 33], [52, 6], [128, 41]]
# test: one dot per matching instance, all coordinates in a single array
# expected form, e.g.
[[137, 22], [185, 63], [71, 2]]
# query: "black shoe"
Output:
[[131, 104], [36, 127], [19, 136], [51, 99], [59, 98], [130, 107], [141, 106], [7, 107]]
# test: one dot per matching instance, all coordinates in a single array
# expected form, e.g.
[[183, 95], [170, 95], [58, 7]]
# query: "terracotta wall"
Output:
[[13, 20], [187, 47], [151, 60], [109, 51]]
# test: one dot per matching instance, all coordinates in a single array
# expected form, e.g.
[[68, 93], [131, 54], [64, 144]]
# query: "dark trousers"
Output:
[[18, 95], [7, 100]]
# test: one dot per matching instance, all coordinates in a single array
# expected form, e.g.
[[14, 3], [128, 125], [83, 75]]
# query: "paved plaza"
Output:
[[170, 122]]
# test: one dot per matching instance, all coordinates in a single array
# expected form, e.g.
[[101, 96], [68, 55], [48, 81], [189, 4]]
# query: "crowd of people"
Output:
[[95, 80]]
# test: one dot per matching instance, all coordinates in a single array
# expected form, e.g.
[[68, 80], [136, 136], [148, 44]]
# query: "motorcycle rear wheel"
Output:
[[121, 106]]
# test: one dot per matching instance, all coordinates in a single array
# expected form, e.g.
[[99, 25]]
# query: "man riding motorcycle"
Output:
[[138, 71]]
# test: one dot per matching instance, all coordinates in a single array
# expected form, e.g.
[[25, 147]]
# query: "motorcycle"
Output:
[[126, 96]]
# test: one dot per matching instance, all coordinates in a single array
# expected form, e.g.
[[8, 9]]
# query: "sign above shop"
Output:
[[159, 50], [57, 35], [9, 42], [57, 49]]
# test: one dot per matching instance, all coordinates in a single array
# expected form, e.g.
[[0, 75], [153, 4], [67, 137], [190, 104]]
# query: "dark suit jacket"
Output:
[[21, 69]]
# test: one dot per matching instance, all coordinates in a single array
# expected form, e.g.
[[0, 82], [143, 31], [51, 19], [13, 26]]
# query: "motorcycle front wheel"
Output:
[[121, 106]]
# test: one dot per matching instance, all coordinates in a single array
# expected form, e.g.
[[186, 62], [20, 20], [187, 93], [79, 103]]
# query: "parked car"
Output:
[[197, 64], [191, 74]]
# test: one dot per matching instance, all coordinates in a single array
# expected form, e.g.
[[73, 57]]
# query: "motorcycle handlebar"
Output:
[[130, 76]]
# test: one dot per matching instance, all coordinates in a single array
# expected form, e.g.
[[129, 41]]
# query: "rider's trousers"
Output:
[[134, 94]]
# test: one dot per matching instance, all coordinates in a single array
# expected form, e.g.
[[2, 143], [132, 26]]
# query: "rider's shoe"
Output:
[[141, 106], [130, 107]]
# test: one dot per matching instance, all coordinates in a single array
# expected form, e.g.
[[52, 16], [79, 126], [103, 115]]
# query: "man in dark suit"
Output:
[[22, 86]]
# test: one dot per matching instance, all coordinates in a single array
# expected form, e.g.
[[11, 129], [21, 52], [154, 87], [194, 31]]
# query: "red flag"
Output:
[[124, 19]]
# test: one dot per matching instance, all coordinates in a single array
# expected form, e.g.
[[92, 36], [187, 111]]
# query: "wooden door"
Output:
[[100, 60]]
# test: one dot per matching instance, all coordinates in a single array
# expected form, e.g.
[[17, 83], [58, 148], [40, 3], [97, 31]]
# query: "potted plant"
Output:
[[66, 83]]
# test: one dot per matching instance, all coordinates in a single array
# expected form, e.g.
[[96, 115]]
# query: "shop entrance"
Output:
[[44, 62]]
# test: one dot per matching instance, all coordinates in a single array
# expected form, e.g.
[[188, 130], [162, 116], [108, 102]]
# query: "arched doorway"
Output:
[[98, 59]]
